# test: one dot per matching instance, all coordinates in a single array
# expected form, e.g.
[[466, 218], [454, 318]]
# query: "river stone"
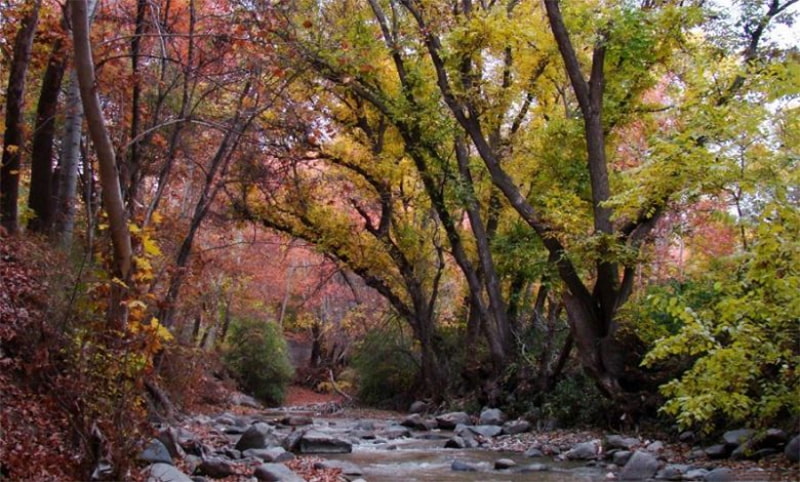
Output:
[[165, 473], [734, 438], [419, 407], [534, 452], [721, 474], [171, 440], [273, 454], [792, 450], [718, 451], [695, 474], [513, 427], [394, 432], [316, 442], [448, 421], [533, 468], [244, 400], [492, 416], [364, 425], [641, 466], [621, 457], [459, 442], [155, 452], [297, 420], [502, 464], [347, 468], [257, 436], [417, 422], [655, 447], [216, 468], [276, 473], [583, 451], [620, 442], [672, 472], [487, 431], [460, 466]]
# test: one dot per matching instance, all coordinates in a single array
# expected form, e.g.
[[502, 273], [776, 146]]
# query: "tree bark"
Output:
[[13, 138], [64, 216]]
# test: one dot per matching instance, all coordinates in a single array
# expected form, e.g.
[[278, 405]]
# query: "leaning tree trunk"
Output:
[[13, 138]]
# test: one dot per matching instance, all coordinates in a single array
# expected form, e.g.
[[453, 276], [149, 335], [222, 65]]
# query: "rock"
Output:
[[297, 420], [459, 442], [721, 474], [316, 442], [448, 421], [719, 451], [276, 473], [171, 440], [347, 468], [621, 457], [419, 407], [641, 466], [534, 452], [487, 431], [583, 451], [245, 400], [533, 468], [365, 425], [155, 452], [274, 454], [394, 432], [672, 472], [165, 473], [687, 437], [502, 464], [460, 466], [734, 438], [792, 450], [655, 447], [415, 421], [695, 474], [216, 468], [257, 436], [492, 416], [620, 442], [514, 427]]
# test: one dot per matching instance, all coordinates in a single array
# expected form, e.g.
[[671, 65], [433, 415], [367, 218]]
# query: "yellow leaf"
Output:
[[12, 149], [151, 247]]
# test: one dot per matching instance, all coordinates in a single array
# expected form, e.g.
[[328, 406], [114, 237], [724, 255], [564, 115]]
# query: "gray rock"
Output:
[[460, 466], [365, 425], [687, 437], [621, 457], [534, 452], [655, 447], [792, 450], [394, 432], [583, 451], [641, 466], [695, 474], [257, 436], [734, 438], [419, 407], [492, 416], [245, 400], [347, 468], [276, 473], [273, 454], [672, 472], [533, 468], [316, 442], [416, 421], [620, 442], [155, 452], [722, 474], [448, 421], [297, 420], [719, 451], [487, 431], [165, 473], [216, 468], [502, 464], [459, 442], [171, 440], [513, 427]]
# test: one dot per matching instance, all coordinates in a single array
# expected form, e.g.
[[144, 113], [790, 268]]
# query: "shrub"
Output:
[[577, 402], [387, 368], [258, 356]]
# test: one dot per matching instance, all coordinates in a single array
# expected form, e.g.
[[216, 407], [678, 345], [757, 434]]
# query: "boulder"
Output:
[[393, 432], [273, 454], [448, 421], [257, 436], [672, 472], [492, 416], [155, 452], [621, 457], [533, 468], [216, 468], [792, 450], [165, 473], [459, 442], [584, 451], [534, 452], [276, 473], [460, 466], [641, 466], [415, 421], [513, 427], [734, 438], [487, 431], [316, 442], [502, 464], [620, 442], [244, 400], [655, 447], [718, 451], [721, 474], [347, 468], [419, 407], [297, 420], [695, 474], [171, 440]]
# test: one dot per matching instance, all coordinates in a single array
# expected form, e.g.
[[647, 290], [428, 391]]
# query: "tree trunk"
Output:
[[64, 217], [41, 198], [13, 139]]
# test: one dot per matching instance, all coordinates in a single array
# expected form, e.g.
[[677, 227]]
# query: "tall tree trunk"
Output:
[[133, 164], [64, 216], [13, 139], [41, 199]]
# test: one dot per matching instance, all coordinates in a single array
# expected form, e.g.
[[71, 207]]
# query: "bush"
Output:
[[387, 368], [577, 402], [258, 356]]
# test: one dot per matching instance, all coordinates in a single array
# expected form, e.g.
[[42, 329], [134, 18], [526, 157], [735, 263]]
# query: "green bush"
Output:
[[387, 368], [577, 402], [258, 356]]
